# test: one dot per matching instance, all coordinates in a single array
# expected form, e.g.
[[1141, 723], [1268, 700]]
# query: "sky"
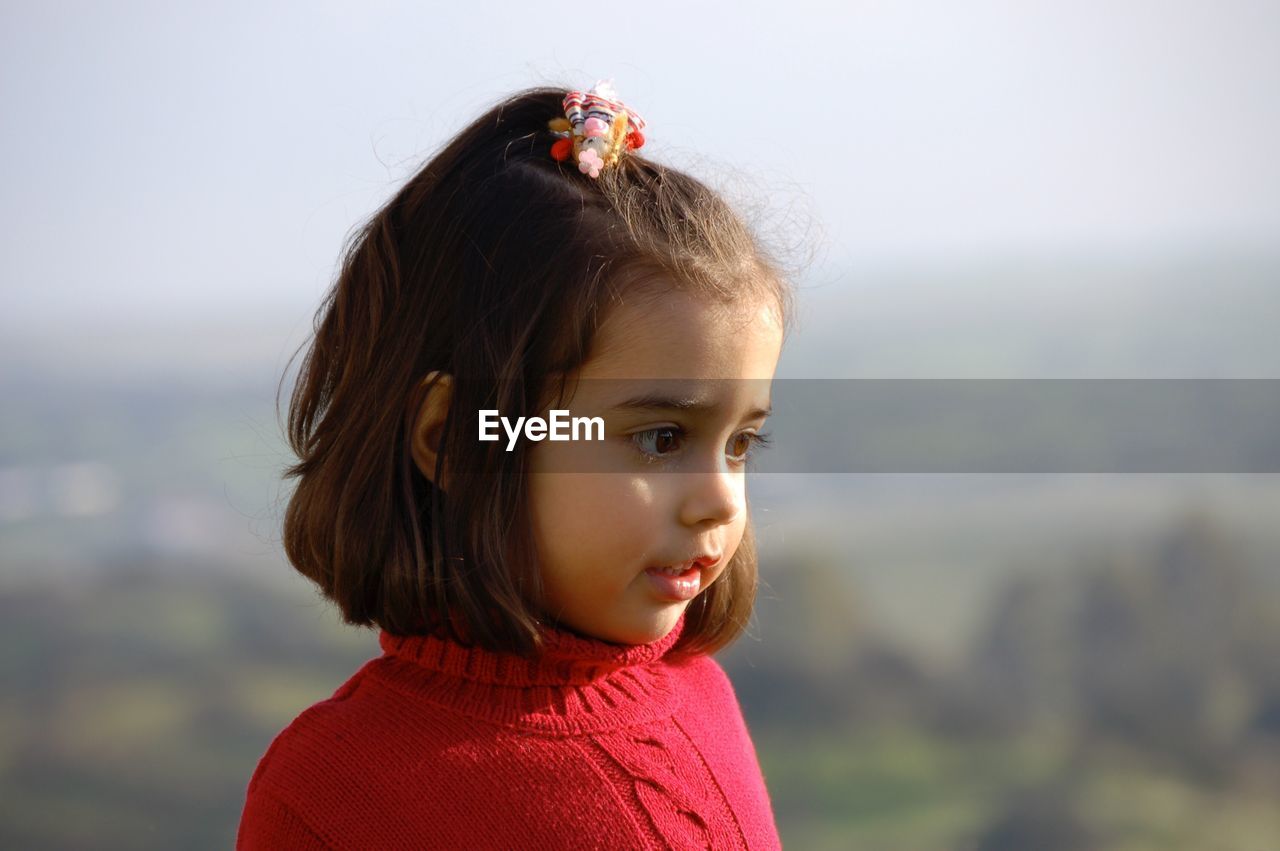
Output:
[[164, 162]]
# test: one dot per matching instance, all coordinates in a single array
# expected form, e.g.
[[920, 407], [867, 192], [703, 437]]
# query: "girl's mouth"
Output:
[[677, 570], [679, 583]]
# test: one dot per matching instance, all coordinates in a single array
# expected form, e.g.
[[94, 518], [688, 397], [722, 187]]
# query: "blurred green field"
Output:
[[902, 789]]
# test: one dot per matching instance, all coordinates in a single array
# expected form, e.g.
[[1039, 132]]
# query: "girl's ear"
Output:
[[428, 426]]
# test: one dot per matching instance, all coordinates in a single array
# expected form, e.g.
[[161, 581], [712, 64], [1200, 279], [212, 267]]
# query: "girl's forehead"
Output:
[[682, 336]]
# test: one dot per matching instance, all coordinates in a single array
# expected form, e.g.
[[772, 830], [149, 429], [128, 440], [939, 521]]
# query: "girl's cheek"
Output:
[[643, 496]]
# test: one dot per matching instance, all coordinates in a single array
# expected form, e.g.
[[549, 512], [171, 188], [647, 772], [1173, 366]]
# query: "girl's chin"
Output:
[[656, 628]]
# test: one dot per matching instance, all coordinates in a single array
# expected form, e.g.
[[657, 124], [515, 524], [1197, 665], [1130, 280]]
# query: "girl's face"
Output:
[[675, 488]]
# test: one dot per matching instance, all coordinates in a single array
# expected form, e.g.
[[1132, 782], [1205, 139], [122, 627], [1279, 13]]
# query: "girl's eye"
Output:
[[665, 440], [660, 438], [750, 443]]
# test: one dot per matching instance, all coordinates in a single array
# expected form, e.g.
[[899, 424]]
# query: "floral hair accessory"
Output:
[[597, 129], [589, 162]]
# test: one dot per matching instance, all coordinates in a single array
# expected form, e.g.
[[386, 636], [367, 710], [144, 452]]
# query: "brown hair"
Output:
[[494, 264]]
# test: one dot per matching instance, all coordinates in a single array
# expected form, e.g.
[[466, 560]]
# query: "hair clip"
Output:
[[597, 129]]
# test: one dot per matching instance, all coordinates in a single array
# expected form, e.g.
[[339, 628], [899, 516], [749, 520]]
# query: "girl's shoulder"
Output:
[[323, 720], [276, 809], [362, 757], [706, 676]]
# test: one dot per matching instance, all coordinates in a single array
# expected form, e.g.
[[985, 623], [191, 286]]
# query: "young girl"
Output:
[[546, 608]]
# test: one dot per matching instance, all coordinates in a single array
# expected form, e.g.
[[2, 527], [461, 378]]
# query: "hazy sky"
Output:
[[164, 161]]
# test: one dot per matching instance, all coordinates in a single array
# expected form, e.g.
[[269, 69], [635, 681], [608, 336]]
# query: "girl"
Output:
[[546, 609]]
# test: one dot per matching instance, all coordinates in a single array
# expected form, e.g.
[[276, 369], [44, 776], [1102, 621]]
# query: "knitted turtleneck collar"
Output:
[[577, 684]]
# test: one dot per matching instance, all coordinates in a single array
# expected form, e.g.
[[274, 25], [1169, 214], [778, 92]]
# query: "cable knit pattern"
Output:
[[591, 745], [673, 796]]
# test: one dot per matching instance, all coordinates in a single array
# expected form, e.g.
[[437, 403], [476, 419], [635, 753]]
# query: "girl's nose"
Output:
[[717, 496]]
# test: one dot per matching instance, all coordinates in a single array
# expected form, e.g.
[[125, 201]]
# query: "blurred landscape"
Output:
[[937, 662]]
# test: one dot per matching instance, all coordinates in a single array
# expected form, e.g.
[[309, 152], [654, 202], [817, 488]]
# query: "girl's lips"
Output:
[[685, 585], [700, 561], [678, 588]]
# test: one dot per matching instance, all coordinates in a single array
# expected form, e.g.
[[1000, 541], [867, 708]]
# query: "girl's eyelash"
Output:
[[756, 441]]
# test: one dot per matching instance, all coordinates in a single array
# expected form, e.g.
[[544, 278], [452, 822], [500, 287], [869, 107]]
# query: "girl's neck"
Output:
[[577, 683]]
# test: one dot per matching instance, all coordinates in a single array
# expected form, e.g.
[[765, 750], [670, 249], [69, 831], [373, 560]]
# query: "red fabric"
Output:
[[592, 745]]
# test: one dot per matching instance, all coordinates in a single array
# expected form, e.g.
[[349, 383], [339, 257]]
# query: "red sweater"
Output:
[[592, 745]]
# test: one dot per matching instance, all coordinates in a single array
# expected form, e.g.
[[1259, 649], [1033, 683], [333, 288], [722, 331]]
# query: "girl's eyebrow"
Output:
[[653, 402]]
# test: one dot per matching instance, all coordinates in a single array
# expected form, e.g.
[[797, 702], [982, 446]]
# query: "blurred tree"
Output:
[[817, 659], [1041, 817], [1161, 648]]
